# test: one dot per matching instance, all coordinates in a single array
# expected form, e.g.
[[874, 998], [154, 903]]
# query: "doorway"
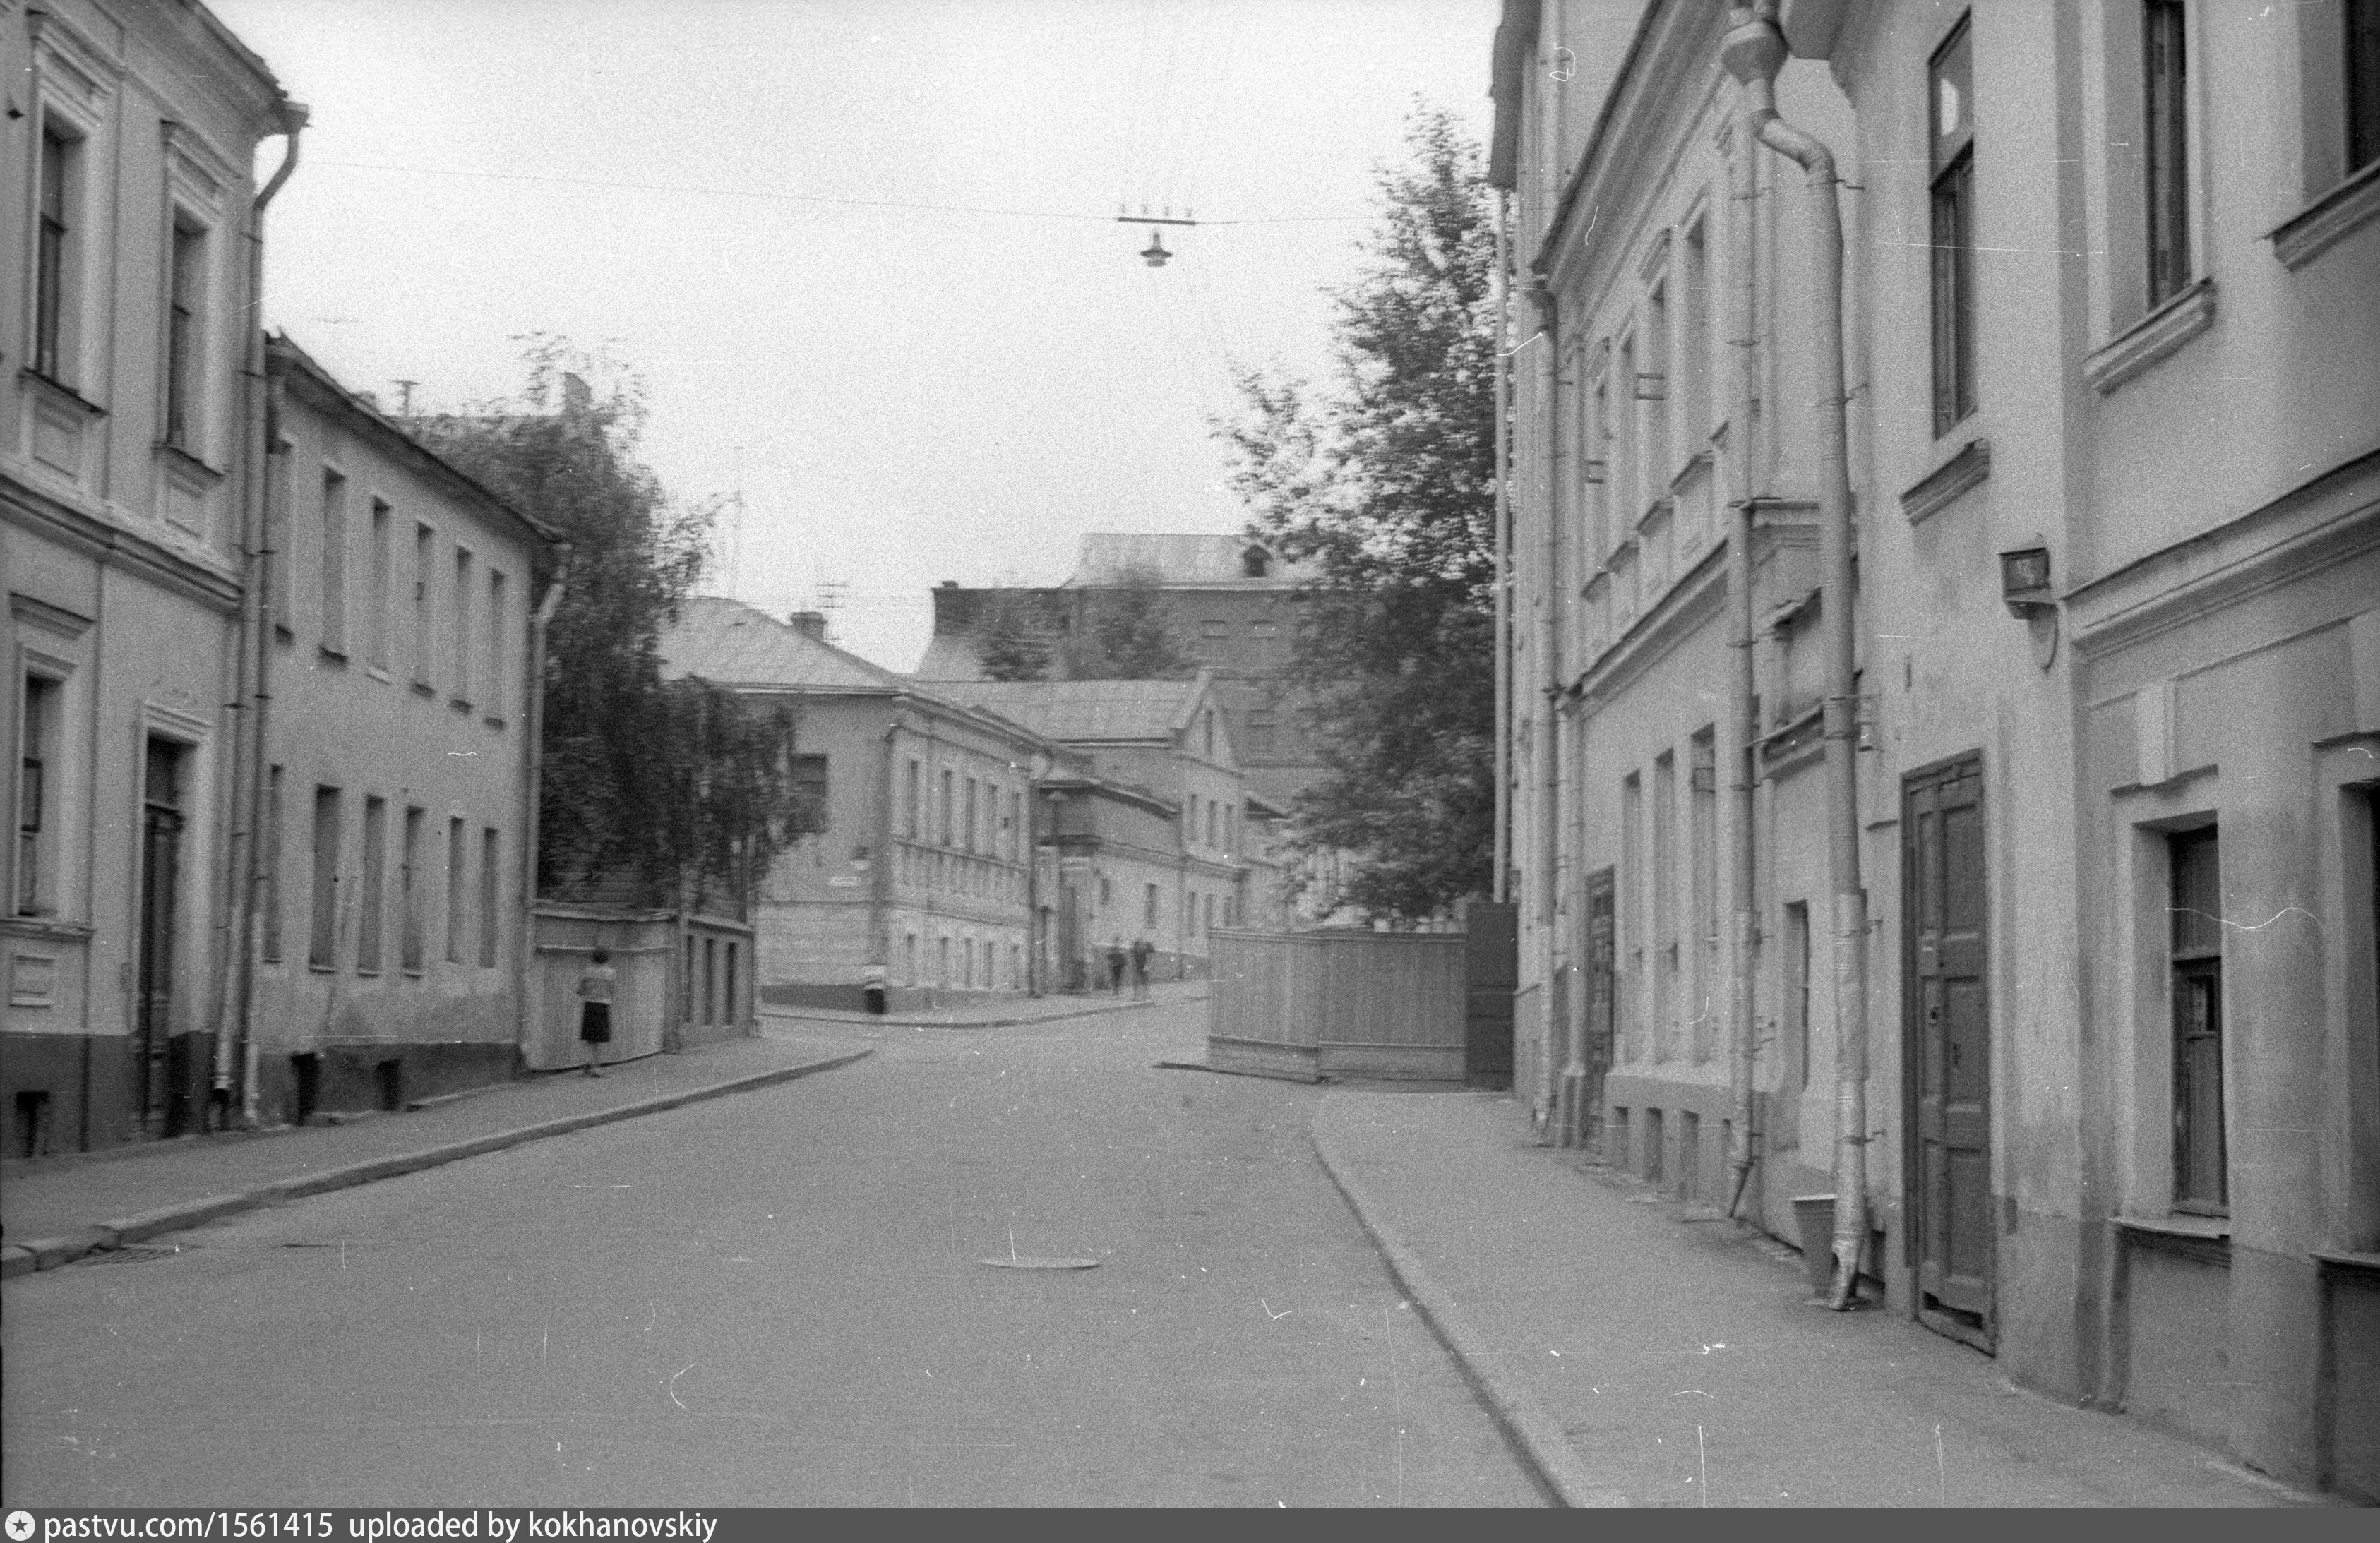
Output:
[[157, 1095], [1602, 961], [1946, 1041]]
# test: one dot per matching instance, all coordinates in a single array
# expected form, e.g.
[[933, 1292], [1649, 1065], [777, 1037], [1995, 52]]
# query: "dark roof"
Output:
[[1083, 711]]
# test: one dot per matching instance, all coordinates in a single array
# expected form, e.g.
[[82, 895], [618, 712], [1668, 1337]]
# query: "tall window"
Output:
[[1695, 341], [1797, 983], [383, 564], [1703, 838], [912, 804], [2363, 83], [425, 546], [37, 739], [272, 840], [1631, 886], [186, 281], [968, 838], [1952, 161], [1015, 827], [2200, 1174], [1263, 730], [368, 918], [809, 791], [490, 866], [1148, 906], [409, 885], [462, 649], [457, 864], [1665, 904], [943, 828], [1620, 476], [2165, 89], [335, 561], [323, 942], [497, 677], [53, 285], [1653, 390]]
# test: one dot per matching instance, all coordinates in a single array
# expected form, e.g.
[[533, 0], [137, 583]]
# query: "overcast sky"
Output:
[[726, 191]]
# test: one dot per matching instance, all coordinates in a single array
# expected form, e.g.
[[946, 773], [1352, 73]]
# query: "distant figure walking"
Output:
[[595, 985], [1115, 966], [1141, 949]]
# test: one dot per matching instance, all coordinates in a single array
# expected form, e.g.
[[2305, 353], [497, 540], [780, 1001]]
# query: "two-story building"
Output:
[[391, 945], [130, 440], [2110, 367], [919, 872]]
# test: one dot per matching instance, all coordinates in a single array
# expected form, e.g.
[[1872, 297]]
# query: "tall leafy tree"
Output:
[[1127, 633], [647, 786], [1386, 480], [1012, 639]]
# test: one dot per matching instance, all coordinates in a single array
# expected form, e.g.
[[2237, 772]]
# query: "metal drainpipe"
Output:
[[532, 789], [1503, 843], [256, 641], [1754, 51], [1548, 814], [1742, 728]]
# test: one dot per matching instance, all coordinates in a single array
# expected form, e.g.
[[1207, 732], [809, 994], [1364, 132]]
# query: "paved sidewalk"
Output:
[[56, 1210], [1641, 1359], [1001, 1011]]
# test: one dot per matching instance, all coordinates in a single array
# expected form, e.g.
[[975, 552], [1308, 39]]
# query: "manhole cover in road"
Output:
[[1029, 1262]]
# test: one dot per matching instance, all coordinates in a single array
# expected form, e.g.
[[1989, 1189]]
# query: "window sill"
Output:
[[183, 461], [493, 720], [1964, 470], [335, 655], [377, 674], [2329, 219], [423, 688], [2208, 1229], [60, 393], [2152, 339], [460, 704], [2349, 1260]]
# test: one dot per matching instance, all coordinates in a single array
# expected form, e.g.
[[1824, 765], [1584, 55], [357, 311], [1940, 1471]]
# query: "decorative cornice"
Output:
[[55, 618], [2155, 336], [213, 584], [2307, 233], [1938, 488], [1693, 600]]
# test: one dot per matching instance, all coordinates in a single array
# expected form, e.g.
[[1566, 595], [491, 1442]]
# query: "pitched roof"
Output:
[[1081, 712], [1175, 561], [731, 644]]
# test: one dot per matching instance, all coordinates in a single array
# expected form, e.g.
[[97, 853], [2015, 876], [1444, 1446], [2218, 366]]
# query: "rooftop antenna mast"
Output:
[[736, 531], [405, 397]]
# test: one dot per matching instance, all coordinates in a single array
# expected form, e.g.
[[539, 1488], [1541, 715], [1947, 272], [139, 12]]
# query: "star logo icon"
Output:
[[20, 1526]]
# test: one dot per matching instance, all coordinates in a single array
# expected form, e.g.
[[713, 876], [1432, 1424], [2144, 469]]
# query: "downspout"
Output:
[[1503, 843], [880, 872], [532, 786], [1753, 51], [259, 431], [1742, 728], [1548, 819]]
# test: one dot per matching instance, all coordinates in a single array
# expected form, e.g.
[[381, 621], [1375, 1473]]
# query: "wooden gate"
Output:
[[1337, 1003], [1491, 971]]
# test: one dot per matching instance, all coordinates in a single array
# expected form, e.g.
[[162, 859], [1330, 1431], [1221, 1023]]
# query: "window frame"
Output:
[[1950, 198], [2194, 977], [2167, 263], [54, 338]]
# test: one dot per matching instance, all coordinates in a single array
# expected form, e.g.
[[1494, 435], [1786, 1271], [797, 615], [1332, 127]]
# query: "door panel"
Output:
[[1949, 1041]]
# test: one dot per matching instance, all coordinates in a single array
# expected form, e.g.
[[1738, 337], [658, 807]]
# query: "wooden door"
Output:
[[160, 869], [1947, 1039], [1491, 963], [1602, 988]]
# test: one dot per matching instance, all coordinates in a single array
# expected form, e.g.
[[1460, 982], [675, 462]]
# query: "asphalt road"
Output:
[[776, 1299]]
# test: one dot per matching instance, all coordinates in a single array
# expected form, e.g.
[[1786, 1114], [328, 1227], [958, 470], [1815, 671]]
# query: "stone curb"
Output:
[[48, 1253], [1536, 1437], [864, 1020]]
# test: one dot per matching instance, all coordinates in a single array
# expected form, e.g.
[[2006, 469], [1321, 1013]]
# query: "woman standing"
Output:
[[595, 1008]]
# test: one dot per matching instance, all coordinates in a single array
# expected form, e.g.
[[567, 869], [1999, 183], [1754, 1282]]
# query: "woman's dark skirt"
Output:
[[595, 1022]]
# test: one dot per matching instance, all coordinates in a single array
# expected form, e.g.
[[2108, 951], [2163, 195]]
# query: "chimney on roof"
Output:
[[575, 397], [809, 623], [950, 583]]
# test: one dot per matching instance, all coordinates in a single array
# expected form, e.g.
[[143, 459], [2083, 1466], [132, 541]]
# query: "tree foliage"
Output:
[[1127, 633], [646, 785], [1012, 639], [1386, 480]]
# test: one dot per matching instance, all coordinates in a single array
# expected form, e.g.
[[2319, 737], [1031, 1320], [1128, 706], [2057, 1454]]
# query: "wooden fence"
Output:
[[1309, 1005]]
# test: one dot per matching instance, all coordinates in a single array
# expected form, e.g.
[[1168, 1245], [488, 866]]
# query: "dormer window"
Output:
[[1255, 562]]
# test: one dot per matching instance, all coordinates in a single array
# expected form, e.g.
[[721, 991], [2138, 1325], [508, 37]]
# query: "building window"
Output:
[[1702, 836], [334, 562], [942, 823], [185, 282], [1630, 887], [942, 960], [1016, 827], [1103, 892], [1254, 562], [270, 946], [810, 794], [909, 955], [1797, 984], [323, 942], [1952, 162], [367, 918], [425, 552], [1653, 390], [1264, 731], [1213, 823], [457, 872], [2200, 1173], [54, 286], [376, 625], [2363, 83], [491, 909], [410, 888], [38, 737], [912, 804], [462, 683], [1665, 904], [1209, 909], [1264, 629], [969, 827], [497, 677], [1149, 906], [1208, 719], [1695, 343], [2165, 80]]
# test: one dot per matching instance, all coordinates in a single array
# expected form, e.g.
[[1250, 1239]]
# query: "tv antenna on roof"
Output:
[[1155, 254]]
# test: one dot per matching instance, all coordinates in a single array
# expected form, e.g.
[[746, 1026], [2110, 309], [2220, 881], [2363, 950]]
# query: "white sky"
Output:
[[920, 394]]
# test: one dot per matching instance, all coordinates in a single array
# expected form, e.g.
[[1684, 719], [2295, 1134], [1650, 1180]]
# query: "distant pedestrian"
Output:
[[595, 985], [1141, 949], [1115, 966]]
